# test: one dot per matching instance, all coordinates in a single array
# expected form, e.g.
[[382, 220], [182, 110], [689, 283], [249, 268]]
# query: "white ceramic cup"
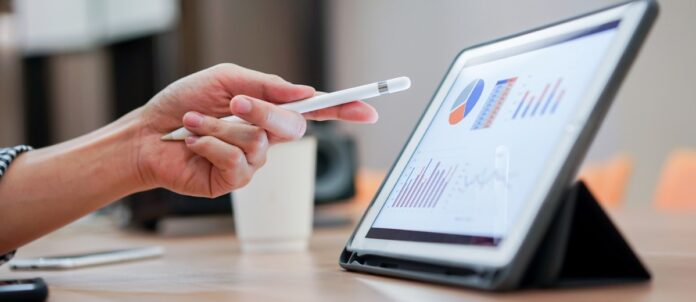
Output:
[[274, 212]]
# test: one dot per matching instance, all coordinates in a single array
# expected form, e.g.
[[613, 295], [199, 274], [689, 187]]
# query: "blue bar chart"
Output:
[[424, 188], [493, 104]]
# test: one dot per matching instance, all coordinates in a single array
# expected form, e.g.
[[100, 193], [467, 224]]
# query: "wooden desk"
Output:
[[212, 268]]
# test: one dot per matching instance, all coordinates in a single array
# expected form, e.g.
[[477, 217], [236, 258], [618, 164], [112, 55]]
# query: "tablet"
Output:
[[500, 141]]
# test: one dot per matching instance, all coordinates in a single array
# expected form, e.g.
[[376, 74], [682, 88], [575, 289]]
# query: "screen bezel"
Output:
[[453, 254]]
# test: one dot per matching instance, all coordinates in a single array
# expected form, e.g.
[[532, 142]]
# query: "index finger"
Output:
[[356, 111]]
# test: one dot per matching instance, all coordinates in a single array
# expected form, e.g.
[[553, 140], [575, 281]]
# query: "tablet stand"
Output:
[[581, 247]]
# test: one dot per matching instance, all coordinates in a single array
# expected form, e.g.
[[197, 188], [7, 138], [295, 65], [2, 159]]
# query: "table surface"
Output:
[[211, 267]]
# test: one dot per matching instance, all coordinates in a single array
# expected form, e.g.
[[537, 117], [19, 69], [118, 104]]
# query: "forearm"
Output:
[[50, 187]]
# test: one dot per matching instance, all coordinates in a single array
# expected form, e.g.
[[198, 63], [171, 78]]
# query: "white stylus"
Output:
[[323, 101]]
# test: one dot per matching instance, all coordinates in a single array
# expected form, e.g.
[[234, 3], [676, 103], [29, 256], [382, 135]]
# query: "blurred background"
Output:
[[70, 66]]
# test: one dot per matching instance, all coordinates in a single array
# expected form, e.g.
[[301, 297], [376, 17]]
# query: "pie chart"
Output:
[[466, 101]]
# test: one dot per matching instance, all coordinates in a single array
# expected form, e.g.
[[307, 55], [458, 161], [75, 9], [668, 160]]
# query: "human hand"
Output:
[[223, 156]]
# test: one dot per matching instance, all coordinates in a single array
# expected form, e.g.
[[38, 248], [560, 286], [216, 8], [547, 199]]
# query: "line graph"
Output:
[[481, 180]]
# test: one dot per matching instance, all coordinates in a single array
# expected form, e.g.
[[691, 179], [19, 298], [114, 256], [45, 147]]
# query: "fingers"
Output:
[[281, 124], [252, 140], [269, 87], [357, 111], [222, 155]]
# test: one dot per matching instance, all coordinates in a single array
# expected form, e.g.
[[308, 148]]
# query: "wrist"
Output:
[[123, 142], [133, 131]]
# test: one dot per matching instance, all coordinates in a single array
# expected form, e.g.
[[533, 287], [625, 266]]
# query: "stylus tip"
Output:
[[398, 84]]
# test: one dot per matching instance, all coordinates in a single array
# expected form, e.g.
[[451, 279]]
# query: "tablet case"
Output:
[[581, 247]]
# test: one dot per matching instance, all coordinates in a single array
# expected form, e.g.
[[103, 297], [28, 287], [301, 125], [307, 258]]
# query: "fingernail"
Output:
[[305, 87], [193, 119], [191, 139], [241, 105]]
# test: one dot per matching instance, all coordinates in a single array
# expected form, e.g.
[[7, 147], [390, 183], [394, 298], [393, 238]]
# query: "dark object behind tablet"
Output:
[[23, 290]]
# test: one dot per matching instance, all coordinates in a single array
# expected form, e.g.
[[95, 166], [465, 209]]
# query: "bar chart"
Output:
[[547, 102], [424, 188], [493, 104]]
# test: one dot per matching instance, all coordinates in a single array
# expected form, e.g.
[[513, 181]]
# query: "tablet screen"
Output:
[[476, 165]]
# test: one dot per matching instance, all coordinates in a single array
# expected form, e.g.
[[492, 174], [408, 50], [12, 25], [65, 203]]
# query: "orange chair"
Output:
[[608, 180], [676, 189], [367, 184]]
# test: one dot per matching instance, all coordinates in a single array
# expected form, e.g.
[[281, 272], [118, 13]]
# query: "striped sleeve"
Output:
[[7, 155]]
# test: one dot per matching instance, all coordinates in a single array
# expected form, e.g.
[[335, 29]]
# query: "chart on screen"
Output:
[[424, 188], [444, 187], [494, 103], [466, 101], [538, 104]]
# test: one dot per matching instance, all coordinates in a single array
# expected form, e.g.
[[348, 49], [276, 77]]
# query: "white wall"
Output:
[[371, 40]]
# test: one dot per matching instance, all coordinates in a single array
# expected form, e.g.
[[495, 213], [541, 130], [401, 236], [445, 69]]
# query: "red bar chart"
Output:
[[424, 186], [547, 102]]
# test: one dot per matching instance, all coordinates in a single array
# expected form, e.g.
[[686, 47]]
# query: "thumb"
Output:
[[268, 87]]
